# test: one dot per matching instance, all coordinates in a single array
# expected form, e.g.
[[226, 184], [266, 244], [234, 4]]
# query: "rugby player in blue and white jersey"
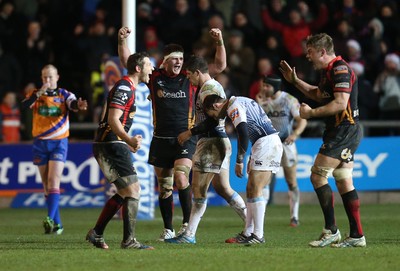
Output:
[[251, 124], [283, 110]]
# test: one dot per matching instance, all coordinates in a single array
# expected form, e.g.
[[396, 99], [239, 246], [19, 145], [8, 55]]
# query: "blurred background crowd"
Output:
[[78, 35]]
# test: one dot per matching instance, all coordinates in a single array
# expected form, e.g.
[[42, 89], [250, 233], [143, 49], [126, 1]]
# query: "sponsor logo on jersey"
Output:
[[184, 151], [234, 114], [340, 69], [122, 87], [121, 96], [342, 85], [258, 163], [275, 114], [171, 95]]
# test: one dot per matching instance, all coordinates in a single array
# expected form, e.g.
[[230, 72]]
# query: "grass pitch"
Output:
[[23, 246]]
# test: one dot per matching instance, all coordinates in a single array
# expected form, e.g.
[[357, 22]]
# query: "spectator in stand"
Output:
[[10, 119], [342, 33], [264, 68], [12, 25], [34, 53], [144, 20], [348, 10], [150, 40], [251, 9], [387, 85], [354, 52], [10, 71], [374, 47], [94, 46], [181, 26], [272, 48], [241, 61], [251, 35], [215, 21], [391, 22], [297, 29], [204, 10], [278, 10]]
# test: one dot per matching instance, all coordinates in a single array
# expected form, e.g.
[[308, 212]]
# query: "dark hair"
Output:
[[136, 59], [172, 47], [210, 100], [321, 41], [197, 63]]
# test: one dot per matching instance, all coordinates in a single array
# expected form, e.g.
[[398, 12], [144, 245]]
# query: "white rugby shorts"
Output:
[[266, 154]]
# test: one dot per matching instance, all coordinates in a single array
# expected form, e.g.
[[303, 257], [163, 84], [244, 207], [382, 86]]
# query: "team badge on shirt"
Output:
[[234, 114], [340, 69]]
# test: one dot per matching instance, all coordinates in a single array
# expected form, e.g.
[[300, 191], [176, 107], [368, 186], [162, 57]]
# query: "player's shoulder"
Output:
[[123, 85], [340, 66], [211, 87], [289, 96]]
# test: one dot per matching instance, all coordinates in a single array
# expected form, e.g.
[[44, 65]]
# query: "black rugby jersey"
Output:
[[339, 77], [172, 102], [121, 96]]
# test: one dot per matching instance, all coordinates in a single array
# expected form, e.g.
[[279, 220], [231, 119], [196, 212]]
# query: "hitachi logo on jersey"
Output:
[[171, 95]]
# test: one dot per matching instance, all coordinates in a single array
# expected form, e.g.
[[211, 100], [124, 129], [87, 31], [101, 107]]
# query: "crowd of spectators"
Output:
[[76, 36]]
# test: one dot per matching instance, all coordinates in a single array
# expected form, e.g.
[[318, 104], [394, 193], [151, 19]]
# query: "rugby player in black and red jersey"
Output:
[[173, 104], [337, 96], [112, 149]]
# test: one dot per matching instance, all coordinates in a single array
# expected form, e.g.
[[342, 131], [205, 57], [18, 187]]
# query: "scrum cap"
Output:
[[274, 81]]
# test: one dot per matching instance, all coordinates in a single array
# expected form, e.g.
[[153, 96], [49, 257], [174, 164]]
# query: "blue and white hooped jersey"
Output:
[[243, 109]]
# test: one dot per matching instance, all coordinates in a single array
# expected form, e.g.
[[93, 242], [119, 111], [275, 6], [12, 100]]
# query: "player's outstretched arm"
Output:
[[219, 64], [123, 50], [289, 73]]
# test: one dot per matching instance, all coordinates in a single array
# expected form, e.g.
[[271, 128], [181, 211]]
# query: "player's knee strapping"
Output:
[[166, 185], [123, 182], [342, 173], [181, 169], [322, 171]]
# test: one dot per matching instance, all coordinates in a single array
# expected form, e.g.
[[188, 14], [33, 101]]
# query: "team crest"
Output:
[[346, 154], [234, 114], [340, 69]]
